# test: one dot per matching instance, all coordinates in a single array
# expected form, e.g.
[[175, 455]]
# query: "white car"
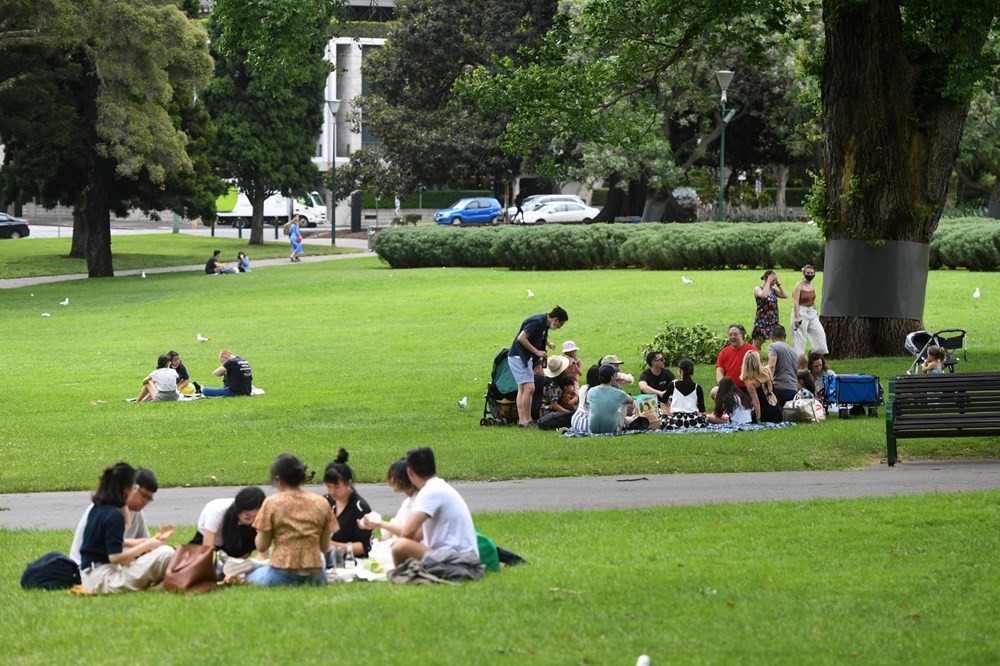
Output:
[[536, 200], [561, 211]]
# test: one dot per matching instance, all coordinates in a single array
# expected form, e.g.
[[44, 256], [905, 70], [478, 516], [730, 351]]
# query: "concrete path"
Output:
[[13, 283], [181, 506]]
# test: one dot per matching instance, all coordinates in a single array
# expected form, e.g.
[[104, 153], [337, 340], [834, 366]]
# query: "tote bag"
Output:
[[191, 569]]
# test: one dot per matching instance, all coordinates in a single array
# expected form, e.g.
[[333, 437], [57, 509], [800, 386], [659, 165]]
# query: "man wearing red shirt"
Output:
[[730, 360]]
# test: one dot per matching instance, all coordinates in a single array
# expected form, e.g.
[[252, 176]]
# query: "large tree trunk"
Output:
[[257, 219], [889, 150], [98, 221], [78, 246], [622, 203]]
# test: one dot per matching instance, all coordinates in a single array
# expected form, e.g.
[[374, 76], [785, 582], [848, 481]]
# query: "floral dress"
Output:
[[767, 316]]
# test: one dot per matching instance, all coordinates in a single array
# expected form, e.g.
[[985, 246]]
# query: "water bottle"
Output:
[[349, 561]]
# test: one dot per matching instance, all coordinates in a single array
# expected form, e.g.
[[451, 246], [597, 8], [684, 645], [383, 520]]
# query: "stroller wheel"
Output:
[[485, 422]]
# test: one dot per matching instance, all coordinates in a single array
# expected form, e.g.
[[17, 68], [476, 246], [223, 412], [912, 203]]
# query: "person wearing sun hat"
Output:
[[620, 377], [569, 350], [558, 380]]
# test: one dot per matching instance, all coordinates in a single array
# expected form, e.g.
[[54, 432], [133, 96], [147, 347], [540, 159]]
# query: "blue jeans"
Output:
[[215, 392], [269, 576]]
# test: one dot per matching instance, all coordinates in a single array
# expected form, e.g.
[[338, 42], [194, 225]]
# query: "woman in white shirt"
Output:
[[227, 524], [161, 384]]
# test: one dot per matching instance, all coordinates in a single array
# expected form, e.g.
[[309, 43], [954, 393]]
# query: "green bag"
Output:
[[488, 552]]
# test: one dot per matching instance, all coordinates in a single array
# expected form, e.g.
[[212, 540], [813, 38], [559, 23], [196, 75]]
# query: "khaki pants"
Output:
[[144, 571]]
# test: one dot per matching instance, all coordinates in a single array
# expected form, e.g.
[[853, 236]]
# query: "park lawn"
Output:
[[48, 256], [877, 580], [353, 354]]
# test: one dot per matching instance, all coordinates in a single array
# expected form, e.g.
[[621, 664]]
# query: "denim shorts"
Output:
[[269, 576], [522, 371]]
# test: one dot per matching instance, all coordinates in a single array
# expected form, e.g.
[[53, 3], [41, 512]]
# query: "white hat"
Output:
[[569, 346]]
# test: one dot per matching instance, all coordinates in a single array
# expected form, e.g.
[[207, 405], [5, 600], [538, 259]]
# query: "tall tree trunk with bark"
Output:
[[78, 247], [96, 197], [889, 152], [257, 217]]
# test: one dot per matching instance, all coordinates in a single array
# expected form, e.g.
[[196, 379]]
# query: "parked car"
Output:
[[536, 200], [561, 212], [13, 227], [477, 210]]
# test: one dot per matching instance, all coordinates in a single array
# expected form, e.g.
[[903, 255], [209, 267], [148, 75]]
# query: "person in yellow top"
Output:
[[297, 524]]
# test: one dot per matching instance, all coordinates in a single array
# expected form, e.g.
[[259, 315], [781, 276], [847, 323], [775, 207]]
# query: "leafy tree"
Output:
[[979, 162], [424, 128], [118, 70], [268, 106], [897, 80]]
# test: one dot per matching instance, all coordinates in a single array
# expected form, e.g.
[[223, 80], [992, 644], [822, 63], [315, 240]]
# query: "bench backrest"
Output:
[[945, 396]]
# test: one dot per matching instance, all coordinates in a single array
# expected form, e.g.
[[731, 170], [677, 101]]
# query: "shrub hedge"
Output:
[[972, 243]]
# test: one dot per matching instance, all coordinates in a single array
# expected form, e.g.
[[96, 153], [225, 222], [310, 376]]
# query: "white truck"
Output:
[[234, 208]]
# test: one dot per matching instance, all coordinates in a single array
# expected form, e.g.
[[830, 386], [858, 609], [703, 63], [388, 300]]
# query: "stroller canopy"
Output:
[[503, 378]]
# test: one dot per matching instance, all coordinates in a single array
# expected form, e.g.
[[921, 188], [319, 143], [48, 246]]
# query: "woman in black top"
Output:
[[348, 506]]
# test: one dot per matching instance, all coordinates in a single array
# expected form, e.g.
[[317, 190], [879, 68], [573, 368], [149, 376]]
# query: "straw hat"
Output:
[[556, 365]]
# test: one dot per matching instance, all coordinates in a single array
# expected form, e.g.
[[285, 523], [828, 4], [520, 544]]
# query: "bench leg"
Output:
[[890, 447]]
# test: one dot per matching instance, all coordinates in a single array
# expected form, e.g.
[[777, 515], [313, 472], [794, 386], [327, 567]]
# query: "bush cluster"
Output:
[[972, 243], [580, 247], [697, 343]]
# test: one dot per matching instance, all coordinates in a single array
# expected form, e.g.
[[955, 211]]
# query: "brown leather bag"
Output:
[[191, 569]]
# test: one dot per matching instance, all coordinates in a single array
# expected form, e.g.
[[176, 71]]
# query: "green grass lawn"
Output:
[[48, 256], [357, 355], [874, 581]]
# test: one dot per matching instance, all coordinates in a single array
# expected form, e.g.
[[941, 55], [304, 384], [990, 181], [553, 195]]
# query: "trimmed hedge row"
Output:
[[972, 243]]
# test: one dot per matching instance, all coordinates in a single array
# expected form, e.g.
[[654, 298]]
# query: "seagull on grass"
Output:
[[464, 402], [202, 338], [64, 302], [975, 294], [46, 314], [531, 294], [686, 281], [143, 275]]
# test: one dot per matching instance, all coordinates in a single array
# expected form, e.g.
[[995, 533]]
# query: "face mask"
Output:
[[809, 278]]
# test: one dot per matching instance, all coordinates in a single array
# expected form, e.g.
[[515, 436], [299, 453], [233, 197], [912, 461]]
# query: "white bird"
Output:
[[202, 338], [531, 294], [143, 275], [975, 294], [64, 302], [686, 281], [46, 314], [464, 402], [643, 660]]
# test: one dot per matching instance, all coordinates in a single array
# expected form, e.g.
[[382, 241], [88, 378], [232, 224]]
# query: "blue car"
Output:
[[477, 210]]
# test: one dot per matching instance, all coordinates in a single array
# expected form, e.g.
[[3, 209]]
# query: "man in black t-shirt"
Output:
[[236, 375], [657, 380], [183, 378]]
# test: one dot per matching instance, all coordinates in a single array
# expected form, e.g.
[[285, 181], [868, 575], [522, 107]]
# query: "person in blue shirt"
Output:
[[605, 402]]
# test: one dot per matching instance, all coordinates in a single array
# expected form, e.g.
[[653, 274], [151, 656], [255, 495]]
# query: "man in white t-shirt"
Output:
[[439, 517], [141, 494]]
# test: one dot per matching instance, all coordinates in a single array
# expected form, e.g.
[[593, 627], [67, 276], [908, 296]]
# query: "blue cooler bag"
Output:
[[852, 390]]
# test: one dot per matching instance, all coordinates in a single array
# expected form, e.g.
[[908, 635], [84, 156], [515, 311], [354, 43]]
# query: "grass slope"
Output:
[[881, 581], [353, 354]]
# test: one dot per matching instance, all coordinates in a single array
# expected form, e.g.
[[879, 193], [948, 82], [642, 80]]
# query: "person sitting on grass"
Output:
[[161, 384], [107, 564], [732, 405], [236, 374], [439, 519], [686, 400], [348, 506], [243, 262], [227, 524], [605, 404], [397, 479], [757, 378], [183, 378], [214, 267], [297, 523], [657, 380]]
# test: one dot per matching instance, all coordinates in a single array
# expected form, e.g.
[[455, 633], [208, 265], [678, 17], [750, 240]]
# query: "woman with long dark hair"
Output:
[[297, 523], [348, 506], [106, 566], [227, 524]]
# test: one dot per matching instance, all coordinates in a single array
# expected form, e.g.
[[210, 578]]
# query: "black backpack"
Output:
[[52, 571]]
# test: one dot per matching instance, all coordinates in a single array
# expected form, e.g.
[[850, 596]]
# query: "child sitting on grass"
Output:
[[731, 405]]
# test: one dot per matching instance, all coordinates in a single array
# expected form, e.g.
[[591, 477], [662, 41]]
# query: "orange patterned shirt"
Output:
[[300, 524]]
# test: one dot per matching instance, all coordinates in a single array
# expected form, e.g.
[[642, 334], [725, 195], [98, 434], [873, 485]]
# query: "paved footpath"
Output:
[[181, 506]]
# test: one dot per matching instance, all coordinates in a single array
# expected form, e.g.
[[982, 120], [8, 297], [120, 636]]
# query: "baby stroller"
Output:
[[501, 394], [947, 338]]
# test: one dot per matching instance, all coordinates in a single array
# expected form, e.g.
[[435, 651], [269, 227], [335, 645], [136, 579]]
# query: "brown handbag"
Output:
[[191, 569]]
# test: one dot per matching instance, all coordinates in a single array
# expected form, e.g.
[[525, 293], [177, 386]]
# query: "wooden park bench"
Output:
[[951, 405]]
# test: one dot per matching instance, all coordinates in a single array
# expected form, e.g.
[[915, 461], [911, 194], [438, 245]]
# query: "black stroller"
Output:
[[947, 338], [501, 394]]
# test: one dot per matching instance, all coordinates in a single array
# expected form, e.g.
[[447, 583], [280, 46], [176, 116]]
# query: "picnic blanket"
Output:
[[188, 398], [712, 427]]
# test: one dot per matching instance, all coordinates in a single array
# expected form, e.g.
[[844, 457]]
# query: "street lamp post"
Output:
[[723, 77], [331, 198]]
